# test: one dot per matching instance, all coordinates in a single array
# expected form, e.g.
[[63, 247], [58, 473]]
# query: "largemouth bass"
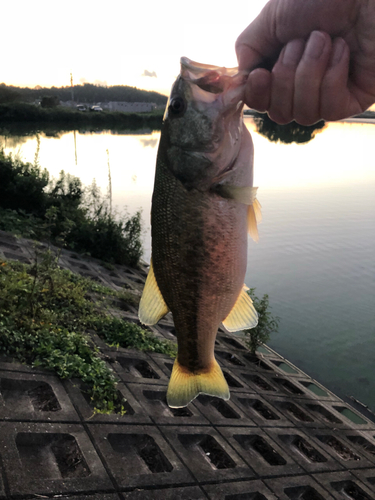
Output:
[[203, 205]]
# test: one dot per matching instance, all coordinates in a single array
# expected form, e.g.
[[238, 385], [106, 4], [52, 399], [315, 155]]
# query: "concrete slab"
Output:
[[345, 485], [254, 490], [187, 493], [138, 456], [298, 488], [34, 397], [50, 459]]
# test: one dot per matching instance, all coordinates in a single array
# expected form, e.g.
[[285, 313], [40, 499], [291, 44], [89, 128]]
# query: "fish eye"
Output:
[[177, 105]]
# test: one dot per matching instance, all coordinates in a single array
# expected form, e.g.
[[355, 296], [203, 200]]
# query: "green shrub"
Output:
[[65, 213], [267, 323], [43, 314]]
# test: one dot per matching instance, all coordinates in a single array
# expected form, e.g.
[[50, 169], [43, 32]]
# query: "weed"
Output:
[[267, 323], [43, 313]]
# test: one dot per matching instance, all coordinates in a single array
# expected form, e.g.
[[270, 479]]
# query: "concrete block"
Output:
[[207, 454], [345, 485], [335, 443], [258, 450], [34, 397], [153, 400], [187, 493], [259, 410], [305, 450], [138, 456], [134, 413], [220, 412], [364, 442], [295, 411], [367, 476], [42, 459], [253, 490], [137, 367], [258, 383], [228, 341], [298, 488], [348, 416]]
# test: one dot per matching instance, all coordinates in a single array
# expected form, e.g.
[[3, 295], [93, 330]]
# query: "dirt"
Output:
[[264, 411], [69, 458], [309, 451], [215, 453], [152, 456], [231, 358], [341, 450], [43, 398], [296, 412]]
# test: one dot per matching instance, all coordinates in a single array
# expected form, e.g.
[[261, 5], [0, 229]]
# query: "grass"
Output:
[[45, 314]]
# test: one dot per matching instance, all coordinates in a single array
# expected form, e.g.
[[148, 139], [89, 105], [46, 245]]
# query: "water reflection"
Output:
[[286, 134]]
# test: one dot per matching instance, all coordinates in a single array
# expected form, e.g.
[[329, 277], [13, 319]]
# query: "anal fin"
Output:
[[184, 386], [243, 315], [152, 306]]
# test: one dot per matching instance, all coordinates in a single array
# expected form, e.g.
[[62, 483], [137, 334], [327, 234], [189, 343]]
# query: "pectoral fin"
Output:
[[184, 386], [242, 194], [152, 306], [254, 216], [243, 315]]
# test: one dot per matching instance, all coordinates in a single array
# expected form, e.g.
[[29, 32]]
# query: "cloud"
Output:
[[149, 73], [82, 81], [100, 83]]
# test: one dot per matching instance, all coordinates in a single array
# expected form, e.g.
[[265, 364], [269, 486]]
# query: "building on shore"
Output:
[[130, 107]]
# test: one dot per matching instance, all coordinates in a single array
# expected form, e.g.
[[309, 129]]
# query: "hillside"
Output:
[[82, 93]]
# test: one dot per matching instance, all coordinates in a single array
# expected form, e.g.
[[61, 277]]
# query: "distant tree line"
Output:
[[82, 93]]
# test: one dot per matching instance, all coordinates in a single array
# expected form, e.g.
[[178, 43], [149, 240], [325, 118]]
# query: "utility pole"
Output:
[[71, 85]]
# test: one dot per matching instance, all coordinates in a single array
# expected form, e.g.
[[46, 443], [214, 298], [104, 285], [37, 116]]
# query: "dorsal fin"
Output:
[[152, 306], [243, 315]]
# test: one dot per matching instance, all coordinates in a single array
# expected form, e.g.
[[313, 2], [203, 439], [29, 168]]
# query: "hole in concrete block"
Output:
[[314, 388], [160, 397], [142, 445], [169, 366], [170, 329], [51, 456], [342, 451], [232, 342], [221, 406], [10, 246], [346, 412], [121, 406], [323, 412], [296, 412], [258, 381], [303, 493], [210, 448], [287, 386], [284, 366], [246, 496], [257, 362], [121, 284], [259, 407], [15, 256], [350, 490], [361, 441], [18, 392], [137, 367], [231, 358], [261, 446], [231, 381], [306, 450]]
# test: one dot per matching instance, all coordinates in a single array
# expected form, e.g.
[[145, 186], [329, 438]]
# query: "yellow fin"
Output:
[[254, 216], [243, 315], [152, 306], [184, 386]]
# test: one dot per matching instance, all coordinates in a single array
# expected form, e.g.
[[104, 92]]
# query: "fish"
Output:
[[203, 206]]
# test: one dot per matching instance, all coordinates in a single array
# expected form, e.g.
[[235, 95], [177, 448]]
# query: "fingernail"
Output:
[[293, 52], [337, 51], [315, 45]]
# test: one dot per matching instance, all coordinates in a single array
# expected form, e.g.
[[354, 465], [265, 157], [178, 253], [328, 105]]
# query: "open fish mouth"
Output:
[[213, 79]]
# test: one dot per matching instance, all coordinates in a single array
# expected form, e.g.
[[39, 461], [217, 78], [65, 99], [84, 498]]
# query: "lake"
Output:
[[315, 257]]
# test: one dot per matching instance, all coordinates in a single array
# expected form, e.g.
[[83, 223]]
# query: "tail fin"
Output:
[[184, 386]]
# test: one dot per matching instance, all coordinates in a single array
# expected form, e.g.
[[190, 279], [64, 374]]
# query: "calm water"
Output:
[[315, 258]]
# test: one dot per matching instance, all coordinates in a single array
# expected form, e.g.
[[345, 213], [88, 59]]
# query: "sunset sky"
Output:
[[116, 42]]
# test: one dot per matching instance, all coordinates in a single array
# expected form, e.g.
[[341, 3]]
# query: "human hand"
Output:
[[325, 59]]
